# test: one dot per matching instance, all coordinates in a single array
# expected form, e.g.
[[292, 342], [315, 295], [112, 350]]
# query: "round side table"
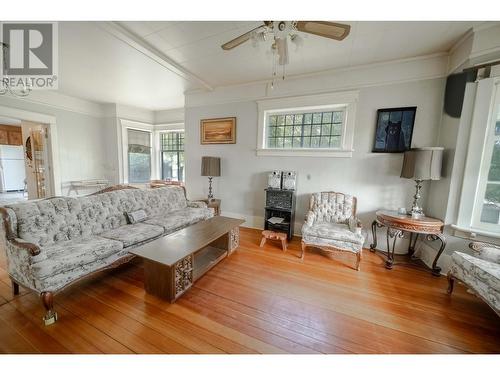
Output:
[[397, 224]]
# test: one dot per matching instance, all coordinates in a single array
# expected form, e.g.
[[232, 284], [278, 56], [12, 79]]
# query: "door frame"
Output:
[[52, 144]]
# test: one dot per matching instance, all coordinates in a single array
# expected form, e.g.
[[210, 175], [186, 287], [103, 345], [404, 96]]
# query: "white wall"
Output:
[[373, 178]]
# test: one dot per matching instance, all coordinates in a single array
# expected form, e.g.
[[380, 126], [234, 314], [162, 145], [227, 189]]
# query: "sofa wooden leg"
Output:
[[303, 250], [48, 302], [358, 260], [451, 283], [15, 288]]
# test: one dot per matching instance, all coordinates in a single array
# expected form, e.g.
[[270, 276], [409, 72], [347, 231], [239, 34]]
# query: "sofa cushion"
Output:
[[59, 280], [181, 218], [67, 255], [132, 234], [332, 234], [471, 269]]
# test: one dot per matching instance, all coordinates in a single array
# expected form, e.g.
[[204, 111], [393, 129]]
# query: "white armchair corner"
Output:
[[331, 224], [480, 272]]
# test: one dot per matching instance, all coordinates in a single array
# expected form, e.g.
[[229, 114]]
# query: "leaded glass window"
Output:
[[172, 155], [308, 129]]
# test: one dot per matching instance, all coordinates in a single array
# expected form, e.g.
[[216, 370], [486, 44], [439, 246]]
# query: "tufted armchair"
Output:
[[331, 224], [481, 272]]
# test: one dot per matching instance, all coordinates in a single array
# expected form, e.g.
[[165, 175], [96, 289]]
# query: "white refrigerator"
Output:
[[12, 169]]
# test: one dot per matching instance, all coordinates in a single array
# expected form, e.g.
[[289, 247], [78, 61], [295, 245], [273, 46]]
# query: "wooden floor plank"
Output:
[[35, 334], [259, 300], [361, 305], [157, 319], [12, 341]]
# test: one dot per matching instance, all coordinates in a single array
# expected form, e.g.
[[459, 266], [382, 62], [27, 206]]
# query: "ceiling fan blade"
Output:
[[242, 38], [332, 30]]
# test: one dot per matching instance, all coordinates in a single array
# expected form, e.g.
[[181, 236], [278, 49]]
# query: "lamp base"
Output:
[[210, 194], [416, 211]]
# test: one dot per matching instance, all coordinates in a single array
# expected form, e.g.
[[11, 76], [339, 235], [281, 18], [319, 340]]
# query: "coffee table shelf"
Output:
[[174, 262], [205, 259]]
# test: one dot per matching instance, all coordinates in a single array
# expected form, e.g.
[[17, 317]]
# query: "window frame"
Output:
[[311, 103], [132, 125], [486, 157], [161, 151], [477, 160]]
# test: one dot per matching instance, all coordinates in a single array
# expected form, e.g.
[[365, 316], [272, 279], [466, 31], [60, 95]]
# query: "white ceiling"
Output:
[[95, 65]]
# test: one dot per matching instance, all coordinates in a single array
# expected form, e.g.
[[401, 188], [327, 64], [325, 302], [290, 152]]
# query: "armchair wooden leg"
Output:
[[48, 302], [358, 260], [303, 250], [451, 283], [15, 288]]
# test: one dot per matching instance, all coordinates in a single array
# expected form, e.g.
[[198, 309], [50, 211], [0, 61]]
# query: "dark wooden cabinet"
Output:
[[280, 203]]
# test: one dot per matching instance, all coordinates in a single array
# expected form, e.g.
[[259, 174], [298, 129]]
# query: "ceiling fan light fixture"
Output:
[[280, 31]]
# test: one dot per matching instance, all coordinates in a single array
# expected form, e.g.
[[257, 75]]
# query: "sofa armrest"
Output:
[[20, 256], [310, 218], [22, 245], [486, 251], [197, 204]]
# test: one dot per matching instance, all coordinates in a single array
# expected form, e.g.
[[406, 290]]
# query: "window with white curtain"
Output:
[[139, 156]]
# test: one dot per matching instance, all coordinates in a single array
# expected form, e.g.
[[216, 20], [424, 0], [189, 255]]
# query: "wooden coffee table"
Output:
[[174, 262]]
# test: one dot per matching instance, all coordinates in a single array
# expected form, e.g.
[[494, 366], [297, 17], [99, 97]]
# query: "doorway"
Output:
[[24, 167]]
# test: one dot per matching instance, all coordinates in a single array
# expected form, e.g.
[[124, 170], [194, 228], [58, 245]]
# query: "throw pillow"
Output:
[[136, 216]]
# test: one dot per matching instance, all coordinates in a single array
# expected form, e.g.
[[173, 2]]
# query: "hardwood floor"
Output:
[[260, 300]]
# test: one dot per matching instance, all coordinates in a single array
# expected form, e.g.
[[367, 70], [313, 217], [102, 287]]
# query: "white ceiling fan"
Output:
[[280, 31]]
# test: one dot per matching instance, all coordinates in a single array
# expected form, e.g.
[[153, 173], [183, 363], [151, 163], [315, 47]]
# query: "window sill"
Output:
[[310, 152], [473, 233]]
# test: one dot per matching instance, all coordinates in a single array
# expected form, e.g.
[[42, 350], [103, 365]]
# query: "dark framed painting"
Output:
[[394, 129]]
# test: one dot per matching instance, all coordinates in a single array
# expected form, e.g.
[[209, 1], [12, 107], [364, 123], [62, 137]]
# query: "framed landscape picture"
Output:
[[394, 129], [218, 131]]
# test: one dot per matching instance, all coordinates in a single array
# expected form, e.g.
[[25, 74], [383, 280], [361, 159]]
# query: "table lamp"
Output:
[[210, 167], [421, 164]]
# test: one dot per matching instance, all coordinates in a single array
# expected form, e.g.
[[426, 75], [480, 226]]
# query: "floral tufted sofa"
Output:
[[331, 224], [481, 273], [53, 242]]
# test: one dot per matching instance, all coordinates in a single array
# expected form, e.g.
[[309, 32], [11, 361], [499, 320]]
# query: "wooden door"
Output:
[[39, 137]]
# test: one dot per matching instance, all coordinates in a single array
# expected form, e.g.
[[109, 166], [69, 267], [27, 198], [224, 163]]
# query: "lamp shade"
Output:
[[423, 163], [210, 166]]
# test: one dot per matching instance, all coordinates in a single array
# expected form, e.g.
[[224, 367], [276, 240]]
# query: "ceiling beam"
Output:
[[153, 53]]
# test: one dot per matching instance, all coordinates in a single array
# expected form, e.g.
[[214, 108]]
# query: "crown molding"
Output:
[[378, 74], [59, 101]]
